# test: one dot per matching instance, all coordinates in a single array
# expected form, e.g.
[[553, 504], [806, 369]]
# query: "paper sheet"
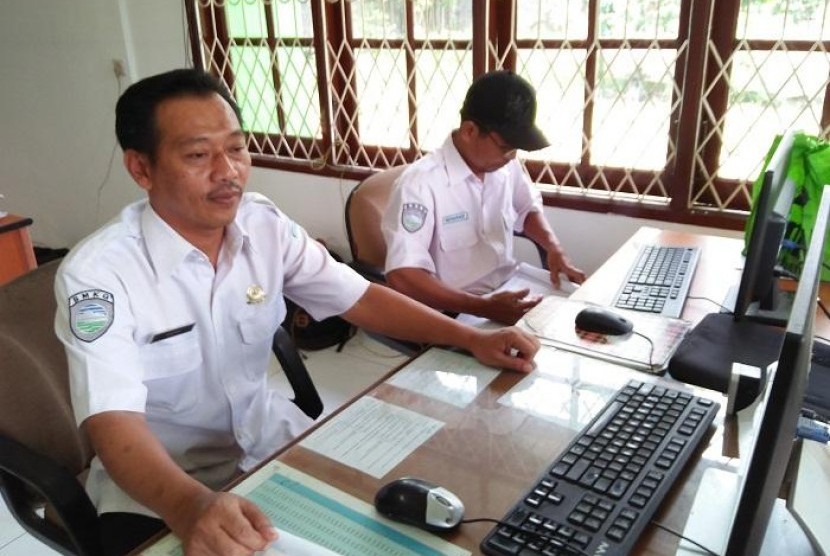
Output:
[[372, 436], [444, 375], [536, 279], [319, 518]]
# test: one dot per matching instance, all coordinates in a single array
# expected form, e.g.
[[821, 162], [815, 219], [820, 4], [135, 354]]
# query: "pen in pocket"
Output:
[[172, 332]]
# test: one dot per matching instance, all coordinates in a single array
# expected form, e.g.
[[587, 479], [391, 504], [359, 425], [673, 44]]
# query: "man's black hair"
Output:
[[135, 112]]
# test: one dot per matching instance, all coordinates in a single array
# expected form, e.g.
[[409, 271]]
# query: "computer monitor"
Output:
[[774, 437], [759, 297]]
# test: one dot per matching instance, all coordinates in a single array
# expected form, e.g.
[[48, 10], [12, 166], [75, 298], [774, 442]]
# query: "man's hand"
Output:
[[222, 524], [506, 348], [508, 307], [559, 263]]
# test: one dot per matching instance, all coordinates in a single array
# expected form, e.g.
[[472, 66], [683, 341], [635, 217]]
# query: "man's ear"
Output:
[[468, 131], [139, 167]]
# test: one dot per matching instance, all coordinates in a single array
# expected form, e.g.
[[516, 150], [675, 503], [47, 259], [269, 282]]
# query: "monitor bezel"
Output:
[[776, 432]]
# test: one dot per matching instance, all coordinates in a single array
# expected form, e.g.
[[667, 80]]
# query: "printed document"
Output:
[[316, 519], [372, 436]]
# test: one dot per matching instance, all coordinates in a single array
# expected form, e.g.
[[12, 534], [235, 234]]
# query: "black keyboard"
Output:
[[659, 280], [601, 492]]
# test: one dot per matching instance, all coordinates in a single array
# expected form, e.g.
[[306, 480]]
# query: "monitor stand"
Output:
[[777, 316], [711, 518]]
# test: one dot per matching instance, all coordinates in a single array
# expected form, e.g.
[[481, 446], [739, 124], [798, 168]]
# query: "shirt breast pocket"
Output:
[[171, 373], [455, 237], [257, 333]]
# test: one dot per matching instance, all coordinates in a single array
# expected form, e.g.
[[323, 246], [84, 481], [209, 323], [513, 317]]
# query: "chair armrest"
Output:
[[370, 272], [27, 477], [305, 393], [543, 255]]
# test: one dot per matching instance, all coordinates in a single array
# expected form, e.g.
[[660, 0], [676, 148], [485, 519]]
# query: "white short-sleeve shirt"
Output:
[[445, 220], [150, 326]]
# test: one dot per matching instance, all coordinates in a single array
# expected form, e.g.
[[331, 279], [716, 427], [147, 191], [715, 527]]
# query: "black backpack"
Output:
[[310, 334]]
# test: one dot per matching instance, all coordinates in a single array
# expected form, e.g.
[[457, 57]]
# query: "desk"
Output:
[[16, 254], [489, 452]]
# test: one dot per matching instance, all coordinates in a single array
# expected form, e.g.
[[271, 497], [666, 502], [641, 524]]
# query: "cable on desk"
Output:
[[685, 538], [651, 347], [824, 309], [565, 543], [724, 308]]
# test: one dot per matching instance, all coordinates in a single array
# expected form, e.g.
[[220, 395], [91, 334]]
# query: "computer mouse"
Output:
[[603, 321], [420, 503]]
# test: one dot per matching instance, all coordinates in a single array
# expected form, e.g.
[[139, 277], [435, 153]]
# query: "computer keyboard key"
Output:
[[603, 499]]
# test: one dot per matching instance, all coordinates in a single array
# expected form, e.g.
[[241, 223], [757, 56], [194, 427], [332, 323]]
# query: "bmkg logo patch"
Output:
[[91, 313], [413, 216]]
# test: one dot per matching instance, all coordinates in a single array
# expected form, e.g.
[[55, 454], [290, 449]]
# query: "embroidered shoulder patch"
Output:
[[91, 313], [413, 216]]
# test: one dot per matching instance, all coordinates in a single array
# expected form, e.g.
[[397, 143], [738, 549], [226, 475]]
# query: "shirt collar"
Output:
[[457, 169], [167, 249]]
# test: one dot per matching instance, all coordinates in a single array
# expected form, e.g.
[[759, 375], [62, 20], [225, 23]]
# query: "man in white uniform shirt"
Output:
[[450, 220], [167, 315]]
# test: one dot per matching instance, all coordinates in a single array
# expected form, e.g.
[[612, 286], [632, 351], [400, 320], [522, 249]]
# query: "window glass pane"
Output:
[[378, 19], [382, 106], [785, 19], [552, 19], [253, 88], [770, 92], [632, 108], [559, 79], [445, 20], [442, 81], [246, 18], [298, 92], [645, 19], [292, 18]]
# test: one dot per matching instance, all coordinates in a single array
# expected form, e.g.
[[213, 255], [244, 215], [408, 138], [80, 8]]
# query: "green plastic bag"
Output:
[[809, 169]]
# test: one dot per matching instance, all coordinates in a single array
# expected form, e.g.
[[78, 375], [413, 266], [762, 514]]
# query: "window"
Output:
[[655, 108]]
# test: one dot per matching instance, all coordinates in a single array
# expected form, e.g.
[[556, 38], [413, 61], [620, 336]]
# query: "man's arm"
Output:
[[504, 307], [536, 227], [207, 522], [388, 312]]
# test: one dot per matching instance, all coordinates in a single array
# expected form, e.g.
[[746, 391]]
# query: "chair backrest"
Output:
[[35, 408], [364, 210], [42, 451]]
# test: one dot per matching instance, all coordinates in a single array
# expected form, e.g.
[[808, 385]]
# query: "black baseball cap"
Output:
[[503, 102]]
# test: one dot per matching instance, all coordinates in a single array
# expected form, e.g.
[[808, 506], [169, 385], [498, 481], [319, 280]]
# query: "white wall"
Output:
[[56, 127]]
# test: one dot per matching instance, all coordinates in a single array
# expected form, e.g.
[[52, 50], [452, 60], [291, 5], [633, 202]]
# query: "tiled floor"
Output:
[[338, 376]]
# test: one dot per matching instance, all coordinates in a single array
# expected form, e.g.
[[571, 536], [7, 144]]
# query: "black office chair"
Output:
[[43, 454]]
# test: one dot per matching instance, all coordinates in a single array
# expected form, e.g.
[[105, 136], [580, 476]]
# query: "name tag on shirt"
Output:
[[457, 217], [172, 332]]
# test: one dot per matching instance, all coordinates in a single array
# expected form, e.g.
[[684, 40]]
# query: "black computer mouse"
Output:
[[420, 503], [603, 321]]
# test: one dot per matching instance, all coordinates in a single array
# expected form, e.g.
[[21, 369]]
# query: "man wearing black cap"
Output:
[[451, 216]]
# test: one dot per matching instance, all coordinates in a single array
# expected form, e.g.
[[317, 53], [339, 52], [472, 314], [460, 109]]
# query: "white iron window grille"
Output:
[[655, 108]]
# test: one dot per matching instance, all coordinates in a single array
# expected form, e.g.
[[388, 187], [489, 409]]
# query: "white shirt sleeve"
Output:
[[105, 373], [526, 197], [408, 224], [313, 279]]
